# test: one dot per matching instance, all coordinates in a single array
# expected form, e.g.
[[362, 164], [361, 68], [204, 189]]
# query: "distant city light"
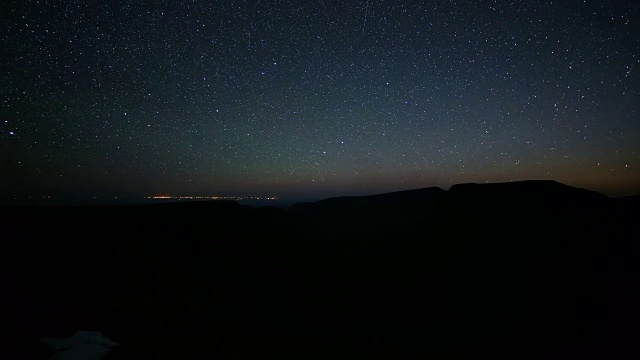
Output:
[[237, 198]]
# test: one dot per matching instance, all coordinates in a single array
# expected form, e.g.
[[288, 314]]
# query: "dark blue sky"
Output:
[[316, 98]]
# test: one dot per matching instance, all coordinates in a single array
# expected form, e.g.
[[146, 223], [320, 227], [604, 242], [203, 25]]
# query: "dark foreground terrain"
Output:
[[518, 270]]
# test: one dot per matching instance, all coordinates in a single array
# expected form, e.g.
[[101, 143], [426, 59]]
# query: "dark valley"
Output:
[[532, 269]]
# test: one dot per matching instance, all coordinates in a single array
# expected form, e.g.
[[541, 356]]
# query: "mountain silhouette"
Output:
[[380, 202]]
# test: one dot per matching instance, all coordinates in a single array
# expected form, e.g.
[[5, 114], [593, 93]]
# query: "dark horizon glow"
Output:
[[317, 98]]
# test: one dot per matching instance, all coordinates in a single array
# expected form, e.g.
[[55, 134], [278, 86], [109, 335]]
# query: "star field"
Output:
[[317, 98]]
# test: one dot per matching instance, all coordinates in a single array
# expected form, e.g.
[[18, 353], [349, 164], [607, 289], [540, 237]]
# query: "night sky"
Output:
[[316, 98]]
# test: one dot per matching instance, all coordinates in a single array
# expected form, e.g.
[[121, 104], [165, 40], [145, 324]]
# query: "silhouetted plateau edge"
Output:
[[537, 191]]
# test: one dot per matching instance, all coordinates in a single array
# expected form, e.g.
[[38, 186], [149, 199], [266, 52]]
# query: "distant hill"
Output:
[[532, 190], [471, 195], [378, 202]]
